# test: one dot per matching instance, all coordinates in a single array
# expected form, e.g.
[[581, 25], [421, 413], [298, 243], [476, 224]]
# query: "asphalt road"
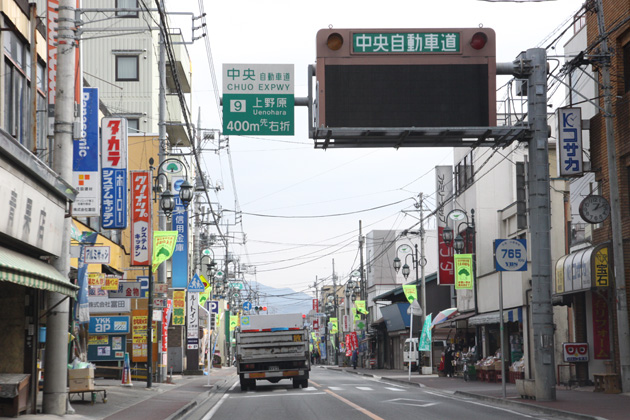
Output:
[[340, 395]]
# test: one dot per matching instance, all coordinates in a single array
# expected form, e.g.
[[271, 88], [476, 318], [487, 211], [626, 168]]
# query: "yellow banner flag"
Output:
[[361, 308], [203, 297], [163, 246], [411, 292], [205, 282], [333, 326], [234, 322], [463, 271]]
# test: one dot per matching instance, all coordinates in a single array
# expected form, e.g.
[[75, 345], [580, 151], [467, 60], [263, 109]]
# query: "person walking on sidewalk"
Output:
[[355, 357], [448, 361]]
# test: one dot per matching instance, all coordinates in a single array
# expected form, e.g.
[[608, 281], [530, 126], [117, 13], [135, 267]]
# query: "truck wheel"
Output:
[[296, 383], [305, 383], [244, 383], [252, 385]]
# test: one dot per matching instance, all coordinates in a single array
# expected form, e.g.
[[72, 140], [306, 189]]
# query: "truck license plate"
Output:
[[274, 368]]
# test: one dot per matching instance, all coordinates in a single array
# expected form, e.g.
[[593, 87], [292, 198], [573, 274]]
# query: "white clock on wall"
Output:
[[594, 209]]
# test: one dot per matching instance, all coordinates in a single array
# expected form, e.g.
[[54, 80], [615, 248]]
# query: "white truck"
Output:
[[272, 347]]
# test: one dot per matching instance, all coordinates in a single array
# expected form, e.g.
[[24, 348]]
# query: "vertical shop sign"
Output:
[[180, 254], [52, 17], [601, 326], [85, 159], [179, 307], [114, 173], [601, 268], [193, 321], [166, 314], [570, 142], [444, 195], [141, 218]]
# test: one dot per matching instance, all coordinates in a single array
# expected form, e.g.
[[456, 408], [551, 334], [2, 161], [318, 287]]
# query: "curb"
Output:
[[183, 411], [538, 408]]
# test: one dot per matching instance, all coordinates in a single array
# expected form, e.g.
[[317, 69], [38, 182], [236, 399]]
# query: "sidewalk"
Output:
[[579, 403], [162, 401]]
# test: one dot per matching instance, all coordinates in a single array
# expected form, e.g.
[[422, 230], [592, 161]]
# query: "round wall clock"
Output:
[[594, 209]]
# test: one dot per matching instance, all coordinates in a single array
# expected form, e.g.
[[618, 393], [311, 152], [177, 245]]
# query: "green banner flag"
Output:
[[411, 292], [163, 246], [425, 337], [355, 315], [463, 271], [203, 297], [361, 308], [333, 326]]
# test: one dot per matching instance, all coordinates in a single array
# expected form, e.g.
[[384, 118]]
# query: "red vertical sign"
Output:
[[141, 232], [601, 326], [316, 305], [444, 197], [166, 314]]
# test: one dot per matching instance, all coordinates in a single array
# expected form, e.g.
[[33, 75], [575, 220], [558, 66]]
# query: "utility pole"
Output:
[[623, 326], [534, 62], [56, 359], [363, 292], [422, 263], [336, 309], [162, 152]]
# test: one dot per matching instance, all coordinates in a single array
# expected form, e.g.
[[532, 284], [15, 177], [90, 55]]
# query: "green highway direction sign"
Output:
[[258, 99]]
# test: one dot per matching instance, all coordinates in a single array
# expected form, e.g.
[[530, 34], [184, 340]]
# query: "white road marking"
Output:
[[413, 403], [266, 395], [481, 404], [365, 388], [335, 388], [212, 412], [394, 389]]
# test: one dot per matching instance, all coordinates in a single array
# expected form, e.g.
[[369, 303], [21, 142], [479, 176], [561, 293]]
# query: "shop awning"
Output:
[[509, 315], [31, 272]]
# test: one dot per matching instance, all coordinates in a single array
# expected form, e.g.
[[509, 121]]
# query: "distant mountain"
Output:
[[284, 300]]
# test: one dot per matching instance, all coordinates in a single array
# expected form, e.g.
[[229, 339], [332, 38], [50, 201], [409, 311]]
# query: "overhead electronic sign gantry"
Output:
[[405, 87]]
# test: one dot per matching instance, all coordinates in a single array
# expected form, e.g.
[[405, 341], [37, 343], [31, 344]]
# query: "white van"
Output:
[[411, 354]]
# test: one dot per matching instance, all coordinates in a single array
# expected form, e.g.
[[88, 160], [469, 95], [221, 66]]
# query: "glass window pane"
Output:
[[127, 68], [127, 4], [133, 125], [9, 109]]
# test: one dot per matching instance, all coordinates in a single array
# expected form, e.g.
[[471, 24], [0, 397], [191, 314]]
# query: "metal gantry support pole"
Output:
[[535, 60], [623, 327]]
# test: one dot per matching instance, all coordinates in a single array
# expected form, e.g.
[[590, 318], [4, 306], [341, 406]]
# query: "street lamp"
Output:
[[167, 205], [405, 272], [167, 198], [459, 244], [462, 245]]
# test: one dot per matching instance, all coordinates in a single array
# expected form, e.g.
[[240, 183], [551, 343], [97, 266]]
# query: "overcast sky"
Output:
[[286, 177]]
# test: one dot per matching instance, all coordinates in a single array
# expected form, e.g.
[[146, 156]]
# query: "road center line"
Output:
[[355, 406]]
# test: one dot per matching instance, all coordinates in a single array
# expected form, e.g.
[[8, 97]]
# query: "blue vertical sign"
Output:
[[570, 142], [180, 255], [85, 158], [114, 173]]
